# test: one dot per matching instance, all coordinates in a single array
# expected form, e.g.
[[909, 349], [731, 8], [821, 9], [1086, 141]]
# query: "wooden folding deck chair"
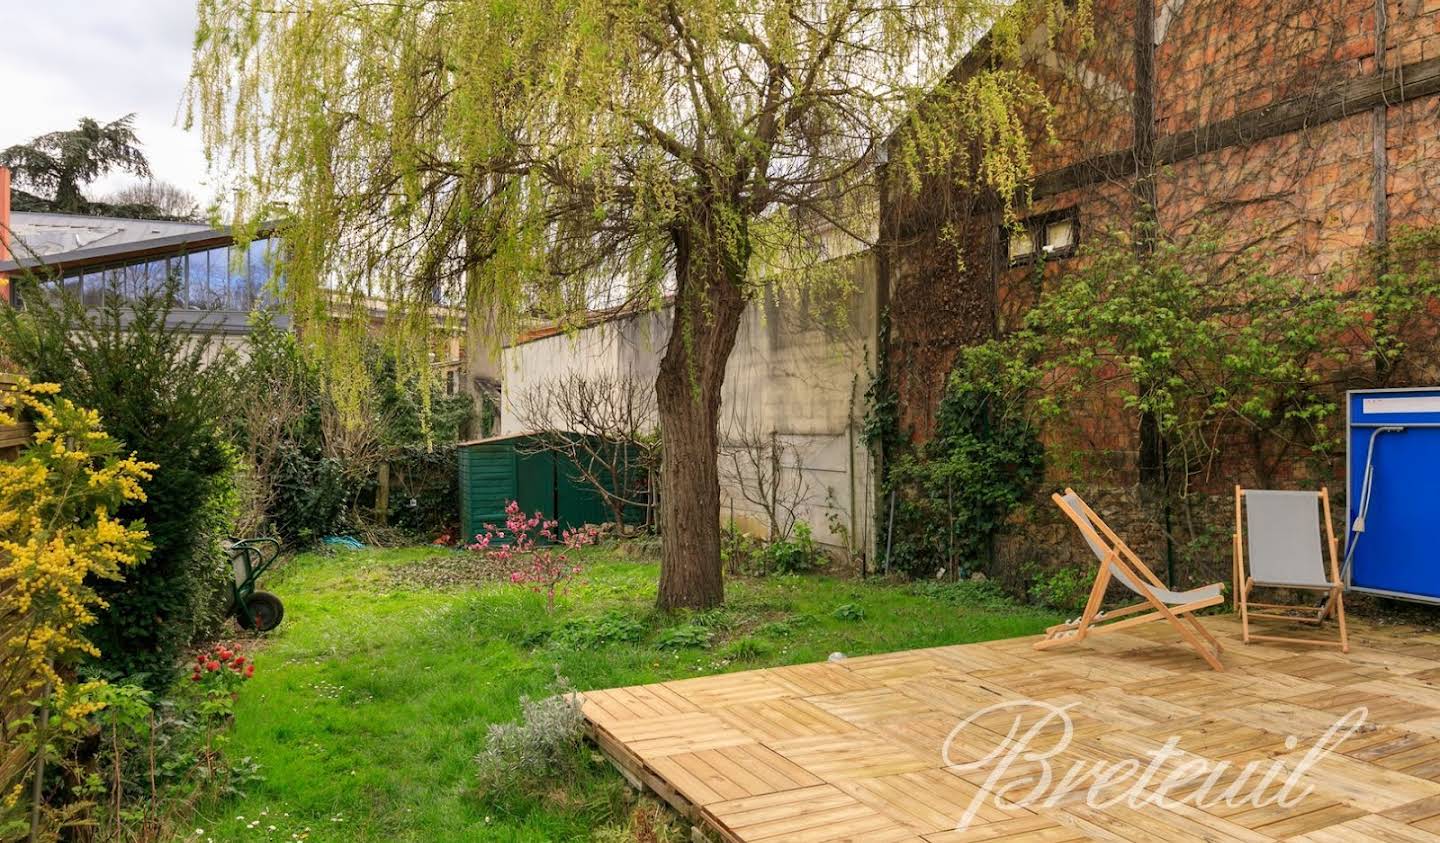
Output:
[[1119, 563], [1283, 532]]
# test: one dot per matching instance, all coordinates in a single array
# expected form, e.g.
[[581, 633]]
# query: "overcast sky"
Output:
[[65, 59]]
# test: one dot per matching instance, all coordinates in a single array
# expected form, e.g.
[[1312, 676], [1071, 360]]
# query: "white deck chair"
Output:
[[1278, 534], [1119, 562]]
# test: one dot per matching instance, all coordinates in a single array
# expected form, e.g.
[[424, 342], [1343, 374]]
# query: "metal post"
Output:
[[890, 531], [950, 531]]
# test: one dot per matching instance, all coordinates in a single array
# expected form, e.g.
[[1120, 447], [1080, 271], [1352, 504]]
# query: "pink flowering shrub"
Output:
[[540, 557]]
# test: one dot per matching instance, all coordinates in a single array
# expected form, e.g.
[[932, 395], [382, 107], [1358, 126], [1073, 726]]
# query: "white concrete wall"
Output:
[[625, 347], [798, 372]]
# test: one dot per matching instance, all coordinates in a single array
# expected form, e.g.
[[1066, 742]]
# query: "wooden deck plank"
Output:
[[954, 694], [780, 719], [822, 813], [805, 680], [871, 706], [851, 750], [1022, 829], [707, 692], [1369, 829], [853, 756], [928, 800], [1126, 823], [733, 772], [660, 736]]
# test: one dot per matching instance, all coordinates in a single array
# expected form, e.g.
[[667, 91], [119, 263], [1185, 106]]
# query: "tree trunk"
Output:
[[708, 306], [623, 492]]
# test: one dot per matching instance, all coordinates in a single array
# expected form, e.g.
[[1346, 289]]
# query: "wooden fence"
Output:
[[12, 436]]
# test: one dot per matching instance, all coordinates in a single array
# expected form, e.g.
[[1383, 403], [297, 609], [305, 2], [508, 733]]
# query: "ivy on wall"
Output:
[[1227, 355], [952, 494], [1243, 367]]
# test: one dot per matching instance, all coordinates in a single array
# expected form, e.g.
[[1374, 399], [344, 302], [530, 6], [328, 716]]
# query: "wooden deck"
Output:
[[851, 750]]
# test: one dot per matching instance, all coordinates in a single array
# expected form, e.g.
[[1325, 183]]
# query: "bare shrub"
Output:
[[769, 473], [605, 426]]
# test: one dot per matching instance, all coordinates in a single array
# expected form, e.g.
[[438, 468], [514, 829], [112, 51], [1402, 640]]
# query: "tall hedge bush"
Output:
[[311, 470], [162, 388]]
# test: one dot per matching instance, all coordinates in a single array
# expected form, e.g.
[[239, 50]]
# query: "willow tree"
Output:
[[534, 158]]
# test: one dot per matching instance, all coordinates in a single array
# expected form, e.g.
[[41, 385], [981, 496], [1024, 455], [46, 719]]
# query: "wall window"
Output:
[[258, 258], [112, 282], [1022, 245], [92, 288], [134, 278], [157, 272], [197, 271], [72, 282], [217, 277], [203, 280], [1042, 237], [238, 291]]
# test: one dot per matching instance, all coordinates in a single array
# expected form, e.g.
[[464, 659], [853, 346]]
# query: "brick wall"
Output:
[[1217, 58], [1413, 31], [1307, 196]]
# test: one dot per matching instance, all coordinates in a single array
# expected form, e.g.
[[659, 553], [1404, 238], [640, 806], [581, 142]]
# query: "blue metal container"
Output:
[[1392, 537]]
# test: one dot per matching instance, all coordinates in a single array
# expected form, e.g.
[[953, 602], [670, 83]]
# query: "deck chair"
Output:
[[1118, 563], [1278, 537]]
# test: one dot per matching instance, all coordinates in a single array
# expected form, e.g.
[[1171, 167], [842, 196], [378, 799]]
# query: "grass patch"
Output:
[[372, 700]]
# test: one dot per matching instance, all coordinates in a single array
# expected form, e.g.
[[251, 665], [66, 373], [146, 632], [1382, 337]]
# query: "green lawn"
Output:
[[370, 702]]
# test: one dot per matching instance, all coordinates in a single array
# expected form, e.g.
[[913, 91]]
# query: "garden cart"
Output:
[[259, 610]]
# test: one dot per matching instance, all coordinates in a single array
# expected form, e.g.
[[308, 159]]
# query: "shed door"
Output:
[[579, 502], [535, 482], [1396, 554], [489, 484]]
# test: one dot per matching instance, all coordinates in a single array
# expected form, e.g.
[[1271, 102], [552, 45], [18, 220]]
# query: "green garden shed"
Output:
[[500, 469]]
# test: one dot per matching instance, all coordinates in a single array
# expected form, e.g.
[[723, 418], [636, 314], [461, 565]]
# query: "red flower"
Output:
[[239, 661], [212, 665], [249, 670]]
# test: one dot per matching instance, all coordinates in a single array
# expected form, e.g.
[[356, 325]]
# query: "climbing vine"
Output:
[[954, 493], [1243, 366], [1226, 353], [882, 406]]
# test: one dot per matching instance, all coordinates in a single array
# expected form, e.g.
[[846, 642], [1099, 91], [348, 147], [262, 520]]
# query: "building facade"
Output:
[[1304, 130], [221, 283]]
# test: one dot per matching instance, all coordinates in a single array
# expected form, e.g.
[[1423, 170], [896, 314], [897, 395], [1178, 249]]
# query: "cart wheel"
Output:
[[266, 609]]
